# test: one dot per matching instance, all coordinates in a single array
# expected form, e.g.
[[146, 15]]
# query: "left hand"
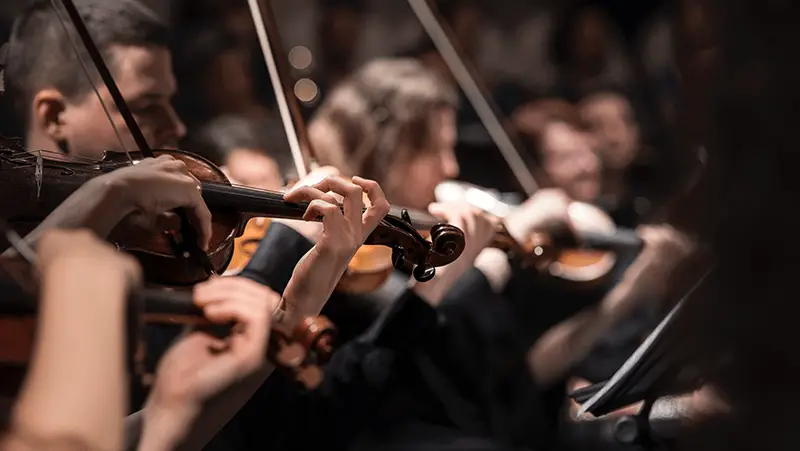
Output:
[[200, 366], [344, 230]]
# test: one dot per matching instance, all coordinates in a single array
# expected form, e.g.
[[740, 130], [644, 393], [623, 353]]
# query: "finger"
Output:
[[307, 194], [198, 212], [252, 322], [332, 217], [445, 213], [167, 221], [221, 289], [317, 175], [378, 208], [169, 164], [352, 193]]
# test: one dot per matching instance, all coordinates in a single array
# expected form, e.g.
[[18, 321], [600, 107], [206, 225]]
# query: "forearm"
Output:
[[97, 206], [571, 340], [76, 385], [134, 424], [219, 411]]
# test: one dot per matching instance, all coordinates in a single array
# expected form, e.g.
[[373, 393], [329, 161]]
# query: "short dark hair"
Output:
[[40, 54], [218, 138]]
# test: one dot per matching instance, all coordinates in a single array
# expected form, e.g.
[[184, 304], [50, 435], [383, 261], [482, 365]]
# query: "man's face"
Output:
[[570, 161], [612, 125], [145, 79]]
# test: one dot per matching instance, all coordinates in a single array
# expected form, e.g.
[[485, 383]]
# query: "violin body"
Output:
[[245, 246], [34, 186]]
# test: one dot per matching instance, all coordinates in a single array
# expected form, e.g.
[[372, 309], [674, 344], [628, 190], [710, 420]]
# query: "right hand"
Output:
[[82, 251], [479, 230], [547, 208], [155, 186], [199, 366]]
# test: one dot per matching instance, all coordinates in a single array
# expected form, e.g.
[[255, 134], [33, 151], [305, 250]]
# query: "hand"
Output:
[[546, 209], [479, 230], [664, 249], [80, 250], [200, 366], [310, 229], [156, 186], [344, 230]]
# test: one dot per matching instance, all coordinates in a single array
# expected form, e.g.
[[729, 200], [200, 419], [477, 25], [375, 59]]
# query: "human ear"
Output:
[[47, 113]]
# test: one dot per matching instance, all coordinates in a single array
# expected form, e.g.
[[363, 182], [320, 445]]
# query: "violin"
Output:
[[39, 185], [301, 351], [582, 256], [583, 252], [372, 264]]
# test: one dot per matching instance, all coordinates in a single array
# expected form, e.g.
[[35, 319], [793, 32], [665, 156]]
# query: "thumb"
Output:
[[437, 209]]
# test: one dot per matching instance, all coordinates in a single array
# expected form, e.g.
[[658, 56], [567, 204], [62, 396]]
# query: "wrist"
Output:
[[114, 202], [164, 427], [313, 280], [71, 268], [494, 265]]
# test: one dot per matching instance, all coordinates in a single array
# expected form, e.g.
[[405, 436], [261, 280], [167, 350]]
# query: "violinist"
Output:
[[373, 118], [628, 172], [63, 117], [252, 152], [48, 86], [194, 372]]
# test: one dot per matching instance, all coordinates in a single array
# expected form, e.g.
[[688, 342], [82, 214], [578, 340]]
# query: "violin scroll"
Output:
[[304, 350]]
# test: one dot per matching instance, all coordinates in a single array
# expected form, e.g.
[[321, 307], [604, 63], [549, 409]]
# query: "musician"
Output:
[[391, 121], [193, 372], [288, 248], [371, 115], [628, 181], [48, 86], [252, 152]]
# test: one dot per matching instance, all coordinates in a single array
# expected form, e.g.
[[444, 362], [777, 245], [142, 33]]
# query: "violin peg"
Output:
[[423, 274]]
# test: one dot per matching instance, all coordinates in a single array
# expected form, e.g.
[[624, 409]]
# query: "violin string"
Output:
[[89, 77]]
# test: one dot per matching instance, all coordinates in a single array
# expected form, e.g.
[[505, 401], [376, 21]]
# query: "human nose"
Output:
[[450, 164]]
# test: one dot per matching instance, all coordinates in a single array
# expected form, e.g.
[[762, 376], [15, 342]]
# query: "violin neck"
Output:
[[252, 202]]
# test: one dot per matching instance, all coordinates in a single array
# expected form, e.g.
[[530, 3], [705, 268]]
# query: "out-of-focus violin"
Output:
[[301, 350]]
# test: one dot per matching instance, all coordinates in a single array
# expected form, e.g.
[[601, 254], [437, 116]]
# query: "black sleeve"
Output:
[[355, 379], [472, 285], [277, 254]]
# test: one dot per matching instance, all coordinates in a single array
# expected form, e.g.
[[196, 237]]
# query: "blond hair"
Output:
[[378, 116]]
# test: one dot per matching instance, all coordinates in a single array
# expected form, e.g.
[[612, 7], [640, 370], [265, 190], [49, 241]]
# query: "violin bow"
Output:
[[188, 241], [292, 118], [476, 91]]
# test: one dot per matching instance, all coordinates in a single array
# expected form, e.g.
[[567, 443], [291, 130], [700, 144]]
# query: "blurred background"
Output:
[[524, 51]]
